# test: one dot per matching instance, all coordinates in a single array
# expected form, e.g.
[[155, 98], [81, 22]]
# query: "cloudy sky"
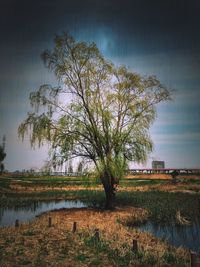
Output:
[[150, 36]]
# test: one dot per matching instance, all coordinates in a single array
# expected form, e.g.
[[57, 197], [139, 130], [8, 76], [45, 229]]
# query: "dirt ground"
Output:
[[162, 176]]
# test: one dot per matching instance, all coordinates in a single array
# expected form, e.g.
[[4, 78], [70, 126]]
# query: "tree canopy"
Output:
[[99, 111]]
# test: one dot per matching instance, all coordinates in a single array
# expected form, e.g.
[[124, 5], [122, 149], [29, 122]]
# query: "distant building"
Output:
[[158, 164]]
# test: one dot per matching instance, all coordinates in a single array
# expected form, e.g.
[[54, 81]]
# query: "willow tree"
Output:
[[98, 111]]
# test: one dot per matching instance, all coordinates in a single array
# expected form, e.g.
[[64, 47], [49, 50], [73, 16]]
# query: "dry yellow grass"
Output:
[[162, 176], [19, 187], [169, 187], [36, 244]]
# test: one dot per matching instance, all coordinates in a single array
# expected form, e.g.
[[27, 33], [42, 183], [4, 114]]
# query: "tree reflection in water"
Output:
[[187, 236], [28, 211]]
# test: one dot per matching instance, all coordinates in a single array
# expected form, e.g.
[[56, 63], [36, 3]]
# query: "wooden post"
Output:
[[74, 227], [96, 235], [135, 246], [195, 259], [17, 223], [50, 222]]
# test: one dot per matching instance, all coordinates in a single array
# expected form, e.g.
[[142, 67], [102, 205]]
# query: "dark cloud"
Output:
[[119, 27], [160, 37], [152, 24]]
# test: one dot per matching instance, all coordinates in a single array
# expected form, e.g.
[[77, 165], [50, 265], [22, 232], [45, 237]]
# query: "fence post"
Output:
[[96, 235], [17, 223], [74, 227], [195, 259], [50, 222], [135, 246]]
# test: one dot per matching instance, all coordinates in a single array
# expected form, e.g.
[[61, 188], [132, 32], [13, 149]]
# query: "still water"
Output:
[[185, 236], [24, 214]]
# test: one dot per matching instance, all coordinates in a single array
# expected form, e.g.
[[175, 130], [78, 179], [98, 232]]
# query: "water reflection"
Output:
[[185, 236], [28, 212]]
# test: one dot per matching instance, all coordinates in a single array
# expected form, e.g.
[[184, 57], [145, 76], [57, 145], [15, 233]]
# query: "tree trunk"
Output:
[[110, 198], [108, 181]]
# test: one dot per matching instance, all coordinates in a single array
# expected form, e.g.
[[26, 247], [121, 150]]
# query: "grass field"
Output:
[[137, 200]]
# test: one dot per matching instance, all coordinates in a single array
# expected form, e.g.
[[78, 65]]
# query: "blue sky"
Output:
[[151, 37]]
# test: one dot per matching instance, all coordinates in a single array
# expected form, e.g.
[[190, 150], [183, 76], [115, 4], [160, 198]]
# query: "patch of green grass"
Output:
[[169, 258], [24, 262], [162, 205], [4, 182], [62, 257], [19, 251], [151, 260], [103, 247], [81, 257], [1, 252], [8, 240], [132, 221], [34, 181], [140, 182], [29, 233], [139, 258]]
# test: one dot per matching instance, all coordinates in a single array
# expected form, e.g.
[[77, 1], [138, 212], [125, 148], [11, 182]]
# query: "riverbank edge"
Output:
[[113, 233]]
